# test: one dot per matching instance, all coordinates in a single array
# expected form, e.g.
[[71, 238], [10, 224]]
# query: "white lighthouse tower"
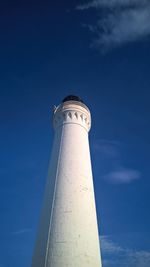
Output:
[[68, 232]]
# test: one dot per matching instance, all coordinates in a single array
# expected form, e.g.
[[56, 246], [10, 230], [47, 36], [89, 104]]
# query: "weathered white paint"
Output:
[[68, 232]]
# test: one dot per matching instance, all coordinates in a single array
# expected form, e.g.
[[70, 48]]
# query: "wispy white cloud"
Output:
[[124, 21], [116, 255], [126, 26], [111, 166], [108, 246]]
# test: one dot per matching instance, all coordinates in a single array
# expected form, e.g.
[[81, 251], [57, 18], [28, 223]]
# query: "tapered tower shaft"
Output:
[[68, 232]]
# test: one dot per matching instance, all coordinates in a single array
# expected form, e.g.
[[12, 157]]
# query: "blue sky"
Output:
[[98, 50]]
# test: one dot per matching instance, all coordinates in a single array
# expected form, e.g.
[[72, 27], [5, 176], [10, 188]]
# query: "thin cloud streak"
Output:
[[122, 176], [111, 3], [124, 22], [106, 148], [22, 231]]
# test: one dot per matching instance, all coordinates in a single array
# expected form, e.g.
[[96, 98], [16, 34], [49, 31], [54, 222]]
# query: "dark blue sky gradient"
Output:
[[45, 55]]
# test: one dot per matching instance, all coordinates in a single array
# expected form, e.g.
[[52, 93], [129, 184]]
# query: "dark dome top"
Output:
[[72, 98]]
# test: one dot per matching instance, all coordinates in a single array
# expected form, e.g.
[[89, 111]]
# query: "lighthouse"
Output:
[[68, 231]]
